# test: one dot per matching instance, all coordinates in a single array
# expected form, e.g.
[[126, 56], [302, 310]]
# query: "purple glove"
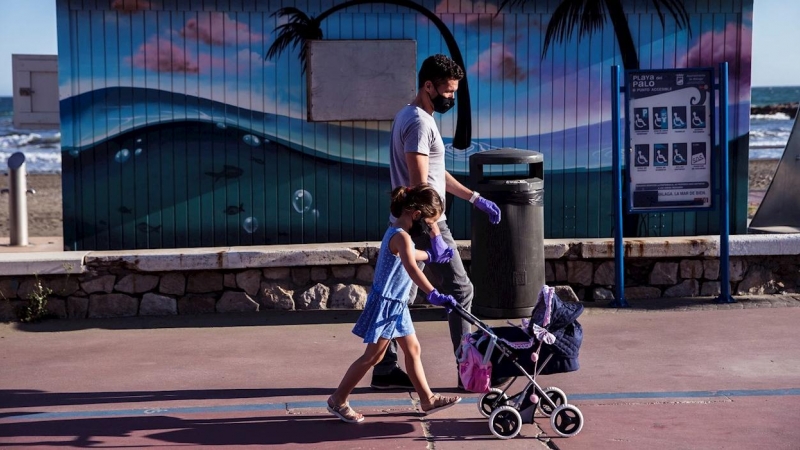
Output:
[[439, 253], [489, 208], [435, 298]]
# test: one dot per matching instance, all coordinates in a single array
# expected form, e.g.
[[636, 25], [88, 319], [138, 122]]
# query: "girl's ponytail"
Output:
[[399, 200]]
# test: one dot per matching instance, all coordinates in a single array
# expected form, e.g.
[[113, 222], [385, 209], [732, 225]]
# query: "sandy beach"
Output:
[[45, 219], [44, 207]]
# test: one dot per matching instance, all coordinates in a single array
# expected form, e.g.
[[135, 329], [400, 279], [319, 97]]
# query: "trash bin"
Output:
[[507, 266]]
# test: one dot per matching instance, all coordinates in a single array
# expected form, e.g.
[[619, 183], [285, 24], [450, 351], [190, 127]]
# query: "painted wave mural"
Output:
[[186, 127]]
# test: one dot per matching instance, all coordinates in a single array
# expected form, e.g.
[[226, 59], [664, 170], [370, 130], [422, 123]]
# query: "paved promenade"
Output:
[[677, 374]]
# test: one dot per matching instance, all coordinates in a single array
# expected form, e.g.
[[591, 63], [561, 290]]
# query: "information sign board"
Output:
[[670, 135]]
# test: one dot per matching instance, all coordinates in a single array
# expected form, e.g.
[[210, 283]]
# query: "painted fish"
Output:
[[233, 210], [145, 228], [226, 173], [257, 160]]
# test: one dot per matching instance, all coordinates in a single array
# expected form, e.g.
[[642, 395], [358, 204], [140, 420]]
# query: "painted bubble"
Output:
[[139, 140], [122, 155], [251, 140], [315, 213], [250, 224], [74, 152], [137, 152], [221, 126], [301, 201]]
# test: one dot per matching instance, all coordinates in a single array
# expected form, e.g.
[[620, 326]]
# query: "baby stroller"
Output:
[[548, 343]]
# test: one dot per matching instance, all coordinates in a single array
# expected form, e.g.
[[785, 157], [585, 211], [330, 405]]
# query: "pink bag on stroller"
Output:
[[474, 368]]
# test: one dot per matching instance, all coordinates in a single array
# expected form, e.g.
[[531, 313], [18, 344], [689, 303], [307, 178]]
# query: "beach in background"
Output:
[[770, 126]]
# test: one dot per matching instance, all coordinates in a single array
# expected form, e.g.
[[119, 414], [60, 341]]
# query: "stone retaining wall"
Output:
[[202, 281]]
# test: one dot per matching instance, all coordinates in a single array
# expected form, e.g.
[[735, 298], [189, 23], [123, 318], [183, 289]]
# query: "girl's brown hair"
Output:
[[422, 197]]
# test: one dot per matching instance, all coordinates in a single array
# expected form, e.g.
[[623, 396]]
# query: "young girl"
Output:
[[385, 315]]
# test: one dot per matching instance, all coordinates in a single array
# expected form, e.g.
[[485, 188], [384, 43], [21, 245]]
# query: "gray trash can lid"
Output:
[[531, 180], [506, 156]]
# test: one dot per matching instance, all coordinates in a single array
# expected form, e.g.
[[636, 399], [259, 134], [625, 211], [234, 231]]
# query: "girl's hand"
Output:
[[433, 228], [439, 253], [435, 298]]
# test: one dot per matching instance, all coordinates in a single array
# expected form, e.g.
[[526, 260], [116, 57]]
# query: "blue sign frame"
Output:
[[677, 175]]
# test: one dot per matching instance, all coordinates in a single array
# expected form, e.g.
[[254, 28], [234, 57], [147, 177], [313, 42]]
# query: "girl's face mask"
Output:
[[419, 227]]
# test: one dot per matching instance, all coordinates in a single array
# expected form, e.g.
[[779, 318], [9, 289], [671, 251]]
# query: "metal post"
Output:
[[17, 203], [616, 147], [724, 207]]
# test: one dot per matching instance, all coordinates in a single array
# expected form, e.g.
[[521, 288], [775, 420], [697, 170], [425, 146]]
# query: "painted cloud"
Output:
[[715, 47], [217, 28], [498, 63], [130, 6], [484, 15], [162, 55]]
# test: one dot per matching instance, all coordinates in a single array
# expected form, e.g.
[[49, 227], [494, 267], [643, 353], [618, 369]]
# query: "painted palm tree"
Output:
[[301, 28], [591, 15]]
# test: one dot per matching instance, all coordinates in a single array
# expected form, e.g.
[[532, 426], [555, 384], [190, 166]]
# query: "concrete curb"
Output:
[[348, 253]]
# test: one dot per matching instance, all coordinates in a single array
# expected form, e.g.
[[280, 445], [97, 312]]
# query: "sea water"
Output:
[[42, 148], [771, 130]]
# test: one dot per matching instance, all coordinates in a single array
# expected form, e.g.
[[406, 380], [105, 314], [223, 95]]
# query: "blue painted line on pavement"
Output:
[[156, 411], [150, 411], [685, 394]]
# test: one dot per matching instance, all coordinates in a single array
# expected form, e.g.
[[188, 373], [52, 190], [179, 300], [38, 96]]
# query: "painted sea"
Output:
[[42, 148]]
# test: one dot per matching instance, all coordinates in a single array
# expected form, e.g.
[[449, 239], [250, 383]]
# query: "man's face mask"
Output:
[[442, 104]]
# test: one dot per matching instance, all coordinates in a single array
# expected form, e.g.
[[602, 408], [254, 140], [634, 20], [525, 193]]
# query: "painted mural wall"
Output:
[[181, 129]]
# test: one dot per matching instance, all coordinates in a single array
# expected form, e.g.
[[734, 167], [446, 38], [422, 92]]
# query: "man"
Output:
[[418, 156]]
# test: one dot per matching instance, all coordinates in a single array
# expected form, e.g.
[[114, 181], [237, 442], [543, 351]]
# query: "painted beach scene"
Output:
[[190, 128]]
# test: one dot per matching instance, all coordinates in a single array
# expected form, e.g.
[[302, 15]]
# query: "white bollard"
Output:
[[17, 202]]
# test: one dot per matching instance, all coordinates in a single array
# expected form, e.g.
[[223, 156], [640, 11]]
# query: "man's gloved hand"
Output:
[[439, 253], [435, 298], [490, 208]]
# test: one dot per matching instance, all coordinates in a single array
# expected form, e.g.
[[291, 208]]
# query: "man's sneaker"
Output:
[[396, 379]]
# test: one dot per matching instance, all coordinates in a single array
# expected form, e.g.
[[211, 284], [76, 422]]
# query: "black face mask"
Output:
[[442, 104], [419, 227]]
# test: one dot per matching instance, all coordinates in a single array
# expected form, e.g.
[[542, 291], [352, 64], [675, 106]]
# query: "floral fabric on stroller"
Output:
[[547, 343]]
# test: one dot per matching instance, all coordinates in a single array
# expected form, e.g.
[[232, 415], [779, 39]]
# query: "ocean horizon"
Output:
[[42, 148]]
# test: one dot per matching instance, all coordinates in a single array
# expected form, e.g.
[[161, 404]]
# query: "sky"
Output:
[[29, 27]]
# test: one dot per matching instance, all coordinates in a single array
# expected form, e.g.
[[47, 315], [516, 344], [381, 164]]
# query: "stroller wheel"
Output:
[[491, 401], [567, 420], [556, 395], [505, 422]]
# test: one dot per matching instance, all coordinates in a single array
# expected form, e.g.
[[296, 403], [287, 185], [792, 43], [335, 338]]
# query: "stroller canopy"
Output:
[[561, 319]]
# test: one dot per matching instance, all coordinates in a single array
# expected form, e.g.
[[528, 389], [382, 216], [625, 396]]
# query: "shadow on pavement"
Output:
[[33, 398], [172, 430], [255, 319]]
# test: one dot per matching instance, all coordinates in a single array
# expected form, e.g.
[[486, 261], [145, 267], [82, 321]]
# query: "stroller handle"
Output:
[[468, 316]]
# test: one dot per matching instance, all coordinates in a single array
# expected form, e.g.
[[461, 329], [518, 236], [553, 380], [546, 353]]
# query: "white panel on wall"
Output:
[[360, 79], [35, 91]]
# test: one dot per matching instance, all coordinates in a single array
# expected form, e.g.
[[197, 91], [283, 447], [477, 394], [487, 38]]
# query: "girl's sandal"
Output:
[[344, 412], [439, 403]]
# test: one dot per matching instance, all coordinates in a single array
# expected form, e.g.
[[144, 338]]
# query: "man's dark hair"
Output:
[[439, 69]]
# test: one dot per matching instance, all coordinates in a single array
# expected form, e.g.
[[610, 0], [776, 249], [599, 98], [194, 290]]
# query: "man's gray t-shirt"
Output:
[[415, 131]]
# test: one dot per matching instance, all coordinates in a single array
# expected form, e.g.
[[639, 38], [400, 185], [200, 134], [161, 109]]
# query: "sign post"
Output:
[[670, 136], [724, 177]]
